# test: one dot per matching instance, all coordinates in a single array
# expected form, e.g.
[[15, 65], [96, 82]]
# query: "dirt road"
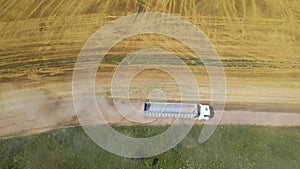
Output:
[[260, 118], [34, 110]]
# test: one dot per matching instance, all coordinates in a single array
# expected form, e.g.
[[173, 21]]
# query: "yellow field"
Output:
[[257, 40]]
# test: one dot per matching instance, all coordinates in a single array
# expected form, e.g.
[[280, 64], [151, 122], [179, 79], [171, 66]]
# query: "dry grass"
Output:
[[258, 39]]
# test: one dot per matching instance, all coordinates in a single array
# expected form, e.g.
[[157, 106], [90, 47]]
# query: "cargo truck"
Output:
[[178, 110]]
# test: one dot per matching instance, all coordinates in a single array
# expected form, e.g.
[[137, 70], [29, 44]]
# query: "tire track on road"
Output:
[[260, 118]]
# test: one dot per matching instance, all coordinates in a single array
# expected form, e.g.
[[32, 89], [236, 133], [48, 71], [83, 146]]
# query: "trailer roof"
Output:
[[157, 107]]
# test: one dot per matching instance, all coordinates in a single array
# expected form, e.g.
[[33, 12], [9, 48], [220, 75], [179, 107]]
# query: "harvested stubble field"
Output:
[[257, 41]]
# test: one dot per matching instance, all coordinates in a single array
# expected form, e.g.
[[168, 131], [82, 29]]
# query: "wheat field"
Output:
[[257, 41]]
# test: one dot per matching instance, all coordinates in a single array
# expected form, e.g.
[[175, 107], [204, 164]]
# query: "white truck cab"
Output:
[[205, 112]]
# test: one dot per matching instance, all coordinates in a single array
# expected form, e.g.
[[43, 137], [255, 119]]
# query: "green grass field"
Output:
[[229, 147]]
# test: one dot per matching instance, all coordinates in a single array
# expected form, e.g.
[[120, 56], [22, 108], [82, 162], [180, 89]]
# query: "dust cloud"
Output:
[[31, 109]]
